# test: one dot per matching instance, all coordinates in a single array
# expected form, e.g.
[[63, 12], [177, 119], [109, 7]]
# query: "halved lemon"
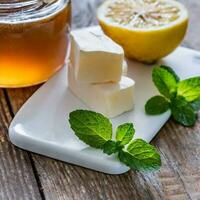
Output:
[[147, 29]]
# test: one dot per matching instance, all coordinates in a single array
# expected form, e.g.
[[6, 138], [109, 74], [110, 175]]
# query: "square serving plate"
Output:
[[42, 126]]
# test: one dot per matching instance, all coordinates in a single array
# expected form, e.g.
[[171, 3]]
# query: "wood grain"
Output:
[[17, 180], [179, 177]]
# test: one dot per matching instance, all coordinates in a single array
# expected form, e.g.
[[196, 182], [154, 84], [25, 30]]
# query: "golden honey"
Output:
[[33, 40]]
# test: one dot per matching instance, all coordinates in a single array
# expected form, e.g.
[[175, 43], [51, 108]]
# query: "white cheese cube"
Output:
[[96, 58], [110, 99]]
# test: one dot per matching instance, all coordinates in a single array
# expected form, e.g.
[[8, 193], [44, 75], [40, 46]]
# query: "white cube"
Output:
[[95, 57], [110, 99]]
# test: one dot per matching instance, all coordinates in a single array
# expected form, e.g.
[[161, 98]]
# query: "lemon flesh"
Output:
[[147, 29]]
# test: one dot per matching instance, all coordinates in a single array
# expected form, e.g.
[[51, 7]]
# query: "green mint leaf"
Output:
[[189, 89], [125, 133], [111, 147], [140, 156], [92, 128], [165, 82], [170, 70], [196, 104], [183, 112], [156, 105]]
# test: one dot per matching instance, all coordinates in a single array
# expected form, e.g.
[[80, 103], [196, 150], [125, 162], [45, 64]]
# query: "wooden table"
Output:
[[25, 175]]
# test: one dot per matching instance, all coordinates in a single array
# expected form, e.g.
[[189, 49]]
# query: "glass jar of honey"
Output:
[[33, 40]]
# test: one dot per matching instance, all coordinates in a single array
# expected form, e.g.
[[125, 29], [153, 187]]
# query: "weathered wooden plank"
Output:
[[179, 177], [17, 180]]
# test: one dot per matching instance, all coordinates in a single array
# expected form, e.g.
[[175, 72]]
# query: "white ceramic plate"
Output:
[[42, 126]]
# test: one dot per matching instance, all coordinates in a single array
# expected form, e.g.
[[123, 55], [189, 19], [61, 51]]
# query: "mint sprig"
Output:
[[181, 97], [96, 130]]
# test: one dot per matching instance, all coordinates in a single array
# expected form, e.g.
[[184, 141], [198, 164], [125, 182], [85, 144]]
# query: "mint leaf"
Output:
[[189, 88], [196, 104], [183, 112], [140, 156], [165, 81], [92, 128], [125, 133], [156, 105], [111, 147], [170, 70]]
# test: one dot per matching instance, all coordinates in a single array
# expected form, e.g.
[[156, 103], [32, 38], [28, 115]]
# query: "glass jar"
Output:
[[33, 40]]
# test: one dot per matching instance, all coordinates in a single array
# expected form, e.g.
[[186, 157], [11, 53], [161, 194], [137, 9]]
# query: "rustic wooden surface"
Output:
[[24, 175]]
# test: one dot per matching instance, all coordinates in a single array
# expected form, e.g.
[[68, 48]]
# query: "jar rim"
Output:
[[30, 10]]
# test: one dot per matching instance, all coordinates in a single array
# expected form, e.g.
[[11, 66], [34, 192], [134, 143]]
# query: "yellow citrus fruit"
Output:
[[147, 29]]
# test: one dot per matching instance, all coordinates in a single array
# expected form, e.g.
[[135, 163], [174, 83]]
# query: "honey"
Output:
[[33, 40]]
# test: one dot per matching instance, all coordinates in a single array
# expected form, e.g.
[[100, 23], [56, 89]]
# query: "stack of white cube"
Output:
[[97, 73]]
